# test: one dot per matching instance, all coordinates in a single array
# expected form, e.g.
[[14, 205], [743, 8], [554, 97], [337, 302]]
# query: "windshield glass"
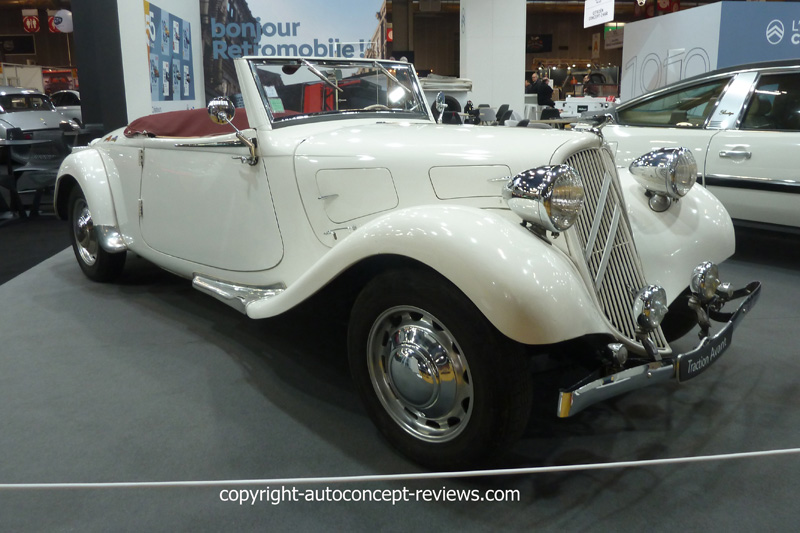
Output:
[[296, 89], [687, 107], [11, 103]]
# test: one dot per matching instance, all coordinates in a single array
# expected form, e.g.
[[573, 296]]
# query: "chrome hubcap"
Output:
[[83, 230], [420, 374]]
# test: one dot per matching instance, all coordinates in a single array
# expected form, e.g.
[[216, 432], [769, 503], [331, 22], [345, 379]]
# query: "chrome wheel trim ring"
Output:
[[83, 233], [419, 373]]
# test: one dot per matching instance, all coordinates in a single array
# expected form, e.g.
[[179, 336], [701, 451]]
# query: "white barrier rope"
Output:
[[399, 477]]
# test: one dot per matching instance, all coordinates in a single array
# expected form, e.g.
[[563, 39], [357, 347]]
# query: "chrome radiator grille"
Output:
[[607, 243]]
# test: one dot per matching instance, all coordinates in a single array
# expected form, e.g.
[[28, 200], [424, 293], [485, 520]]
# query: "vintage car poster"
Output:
[[170, 55]]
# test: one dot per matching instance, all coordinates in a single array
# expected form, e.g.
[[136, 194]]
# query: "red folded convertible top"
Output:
[[188, 123]]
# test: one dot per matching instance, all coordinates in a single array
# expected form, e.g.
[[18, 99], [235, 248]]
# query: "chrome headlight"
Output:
[[550, 197], [649, 307], [705, 281], [667, 171]]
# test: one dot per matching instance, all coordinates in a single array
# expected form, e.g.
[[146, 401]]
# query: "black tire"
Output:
[[95, 262], [477, 397]]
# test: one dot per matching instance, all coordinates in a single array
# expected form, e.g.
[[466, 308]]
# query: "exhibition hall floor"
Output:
[[147, 381]]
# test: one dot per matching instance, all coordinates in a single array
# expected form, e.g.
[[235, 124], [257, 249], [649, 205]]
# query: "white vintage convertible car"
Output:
[[743, 126], [462, 251]]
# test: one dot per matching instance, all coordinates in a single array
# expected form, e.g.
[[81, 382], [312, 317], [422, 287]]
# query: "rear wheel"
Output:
[[95, 262], [439, 381]]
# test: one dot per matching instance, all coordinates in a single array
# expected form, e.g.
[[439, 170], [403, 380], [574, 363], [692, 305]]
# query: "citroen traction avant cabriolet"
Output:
[[467, 249]]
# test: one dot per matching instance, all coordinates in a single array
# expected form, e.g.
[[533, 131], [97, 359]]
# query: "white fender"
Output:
[[528, 289], [88, 169], [695, 229]]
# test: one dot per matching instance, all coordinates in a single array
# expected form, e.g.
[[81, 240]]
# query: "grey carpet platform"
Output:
[[147, 380]]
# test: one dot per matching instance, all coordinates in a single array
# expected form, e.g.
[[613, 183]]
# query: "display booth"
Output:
[[673, 47]]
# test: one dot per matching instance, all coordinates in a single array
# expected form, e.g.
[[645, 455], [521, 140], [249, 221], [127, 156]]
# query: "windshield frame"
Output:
[[414, 89]]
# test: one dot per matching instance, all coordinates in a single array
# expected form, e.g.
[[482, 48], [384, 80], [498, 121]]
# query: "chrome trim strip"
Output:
[[755, 184], [212, 144], [598, 214], [110, 239], [236, 296], [612, 233], [334, 230]]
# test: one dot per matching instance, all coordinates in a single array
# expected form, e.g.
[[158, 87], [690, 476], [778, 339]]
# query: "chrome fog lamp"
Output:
[[618, 352], [549, 197], [705, 281], [667, 173], [649, 307]]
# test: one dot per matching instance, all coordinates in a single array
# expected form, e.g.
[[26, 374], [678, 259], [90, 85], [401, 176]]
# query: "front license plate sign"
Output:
[[694, 363]]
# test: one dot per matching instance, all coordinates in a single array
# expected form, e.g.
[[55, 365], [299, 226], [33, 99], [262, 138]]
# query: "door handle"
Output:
[[735, 154]]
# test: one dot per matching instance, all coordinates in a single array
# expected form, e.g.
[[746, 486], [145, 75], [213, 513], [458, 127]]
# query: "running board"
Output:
[[236, 296]]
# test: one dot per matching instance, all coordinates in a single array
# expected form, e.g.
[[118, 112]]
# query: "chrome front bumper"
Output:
[[681, 367]]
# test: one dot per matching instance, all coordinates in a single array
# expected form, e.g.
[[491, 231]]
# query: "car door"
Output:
[[199, 202], [755, 169]]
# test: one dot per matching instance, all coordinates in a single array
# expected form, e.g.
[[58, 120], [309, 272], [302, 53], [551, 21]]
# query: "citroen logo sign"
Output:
[[775, 32]]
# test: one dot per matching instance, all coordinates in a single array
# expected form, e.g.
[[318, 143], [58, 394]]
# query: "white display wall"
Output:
[[493, 51], [673, 47]]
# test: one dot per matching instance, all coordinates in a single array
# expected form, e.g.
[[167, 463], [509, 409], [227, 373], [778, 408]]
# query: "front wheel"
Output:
[[95, 262], [439, 381]]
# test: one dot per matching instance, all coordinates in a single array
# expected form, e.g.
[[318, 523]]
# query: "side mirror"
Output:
[[440, 105], [221, 111]]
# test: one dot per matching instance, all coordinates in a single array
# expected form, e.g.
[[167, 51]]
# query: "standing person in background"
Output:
[[541, 88], [545, 92], [531, 86], [589, 88]]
